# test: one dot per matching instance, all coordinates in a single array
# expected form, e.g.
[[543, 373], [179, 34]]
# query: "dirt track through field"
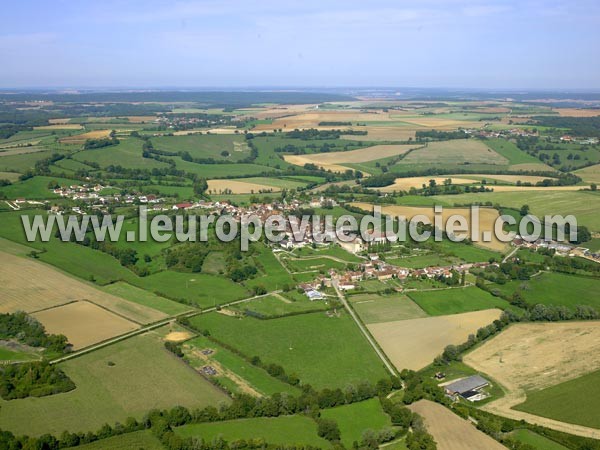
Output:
[[534, 356], [450, 431]]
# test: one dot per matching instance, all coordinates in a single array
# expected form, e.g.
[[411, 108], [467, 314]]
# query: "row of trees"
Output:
[[27, 330]]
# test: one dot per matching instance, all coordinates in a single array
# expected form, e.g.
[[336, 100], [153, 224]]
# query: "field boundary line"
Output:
[[151, 327], [388, 365], [54, 306]]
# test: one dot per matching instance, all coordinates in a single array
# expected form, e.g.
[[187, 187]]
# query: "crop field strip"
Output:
[[397, 338], [33, 286], [487, 217], [534, 357], [450, 431]]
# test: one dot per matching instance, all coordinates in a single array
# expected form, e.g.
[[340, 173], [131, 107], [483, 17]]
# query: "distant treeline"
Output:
[[7, 131], [435, 135], [335, 124], [313, 133], [91, 144], [578, 126], [207, 98]]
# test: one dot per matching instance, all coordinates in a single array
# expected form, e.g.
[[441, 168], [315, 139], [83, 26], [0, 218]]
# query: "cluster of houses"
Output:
[[93, 194], [582, 141], [485, 133], [560, 248], [376, 269]]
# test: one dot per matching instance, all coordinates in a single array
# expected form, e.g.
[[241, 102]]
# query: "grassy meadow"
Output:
[[575, 401], [125, 379], [299, 430], [355, 418], [456, 300], [322, 351]]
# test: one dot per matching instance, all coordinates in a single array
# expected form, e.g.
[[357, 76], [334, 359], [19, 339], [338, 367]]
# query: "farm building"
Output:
[[314, 295], [469, 388]]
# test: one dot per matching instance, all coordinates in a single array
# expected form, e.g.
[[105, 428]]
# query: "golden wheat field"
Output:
[[487, 218], [238, 187], [32, 286], [414, 343], [81, 138], [450, 431], [60, 126], [83, 323], [507, 178], [536, 188], [576, 112], [334, 160], [404, 184], [533, 356], [455, 152], [590, 174]]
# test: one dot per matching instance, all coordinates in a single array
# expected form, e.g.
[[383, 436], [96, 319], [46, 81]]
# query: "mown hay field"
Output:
[[506, 178], [125, 379], [374, 308], [582, 204], [31, 286], [454, 152], [576, 112], [238, 187], [536, 188], [146, 298], [487, 218], [313, 119], [60, 126], [334, 160], [589, 174], [414, 343], [537, 355], [527, 358], [450, 431], [404, 184], [83, 323], [81, 138], [10, 176]]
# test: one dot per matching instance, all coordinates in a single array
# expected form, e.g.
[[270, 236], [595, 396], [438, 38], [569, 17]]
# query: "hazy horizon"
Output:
[[493, 45]]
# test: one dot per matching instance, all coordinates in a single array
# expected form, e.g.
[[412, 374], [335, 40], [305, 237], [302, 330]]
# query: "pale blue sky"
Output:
[[234, 43]]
